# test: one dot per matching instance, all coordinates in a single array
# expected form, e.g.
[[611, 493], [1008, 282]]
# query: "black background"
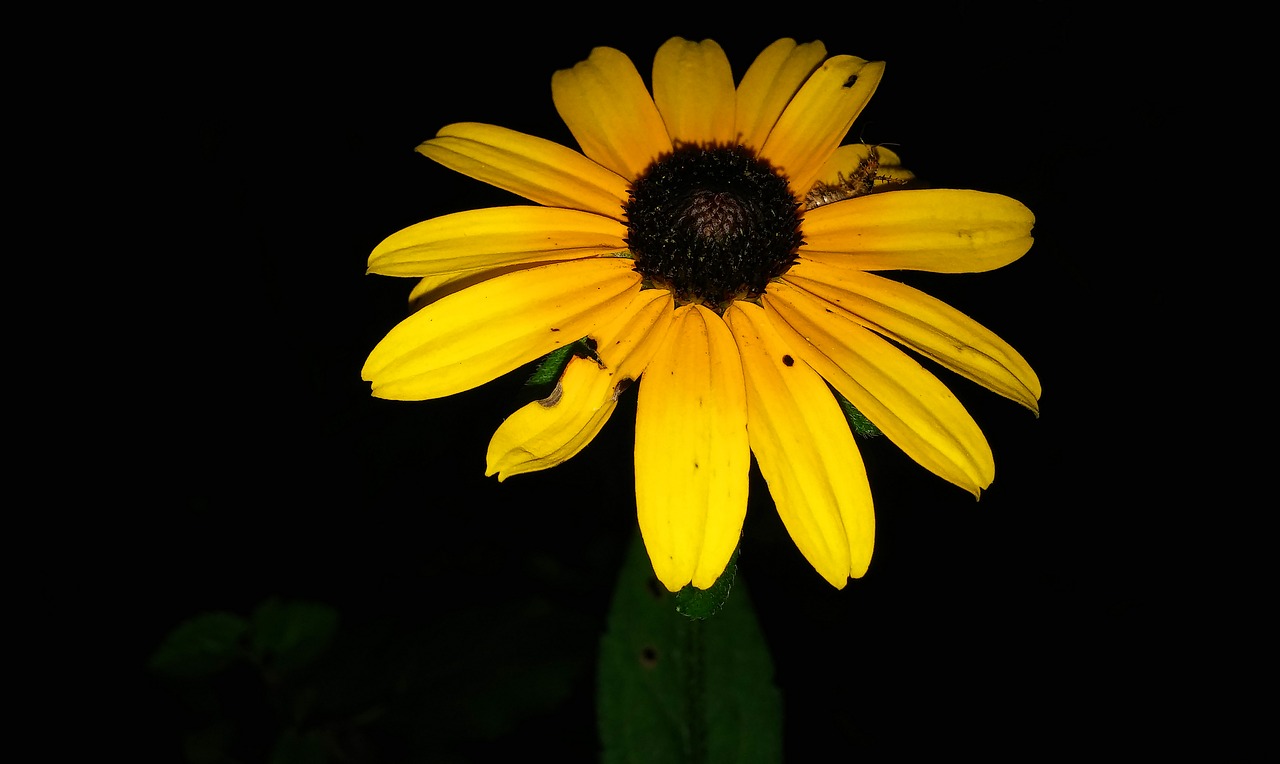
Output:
[[1019, 623]]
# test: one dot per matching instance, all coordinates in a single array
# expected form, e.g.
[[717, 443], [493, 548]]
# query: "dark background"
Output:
[[1022, 622]]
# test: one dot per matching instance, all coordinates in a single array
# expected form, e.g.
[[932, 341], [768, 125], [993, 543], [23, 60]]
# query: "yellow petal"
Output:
[[819, 117], [926, 325], [432, 288], [478, 334], [494, 237], [692, 455], [805, 450], [898, 395], [606, 106], [693, 89], [940, 230], [535, 168], [548, 432], [769, 85]]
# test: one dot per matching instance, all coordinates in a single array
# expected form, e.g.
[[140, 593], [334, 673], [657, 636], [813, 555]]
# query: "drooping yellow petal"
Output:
[[926, 325], [478, 334], [607, 107], [940, 230], [545, 433], [496, 236], [769, 85], [909, 405], [819, 117], [692, 455], [535, 168], [693, 89], [805, 450]]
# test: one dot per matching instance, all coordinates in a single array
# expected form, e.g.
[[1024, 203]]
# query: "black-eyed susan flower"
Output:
[[719, 246]]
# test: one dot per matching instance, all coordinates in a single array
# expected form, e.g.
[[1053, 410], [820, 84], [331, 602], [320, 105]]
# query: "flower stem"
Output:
[[694, 649]]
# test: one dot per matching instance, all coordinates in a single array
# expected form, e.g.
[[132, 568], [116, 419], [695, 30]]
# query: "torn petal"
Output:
[[548, 432]]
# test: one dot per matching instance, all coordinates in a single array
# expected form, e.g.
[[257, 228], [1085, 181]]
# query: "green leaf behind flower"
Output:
[[552, 364], [704, 603], [860, 424], [685, 690]]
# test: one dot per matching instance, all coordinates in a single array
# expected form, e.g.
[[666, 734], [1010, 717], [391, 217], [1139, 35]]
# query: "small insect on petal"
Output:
[[861, 180]]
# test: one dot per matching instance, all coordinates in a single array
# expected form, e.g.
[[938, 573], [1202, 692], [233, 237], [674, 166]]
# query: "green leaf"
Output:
[[553, 363], [294, 747], [704, 603], [292, 634], [684, 690], [200, 646], [860, 424]]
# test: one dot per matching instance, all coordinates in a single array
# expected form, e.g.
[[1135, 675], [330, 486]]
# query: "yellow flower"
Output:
[[721, 242]]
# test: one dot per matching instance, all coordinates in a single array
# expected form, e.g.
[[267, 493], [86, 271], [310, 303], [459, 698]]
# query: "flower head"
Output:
[[717, 244]]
